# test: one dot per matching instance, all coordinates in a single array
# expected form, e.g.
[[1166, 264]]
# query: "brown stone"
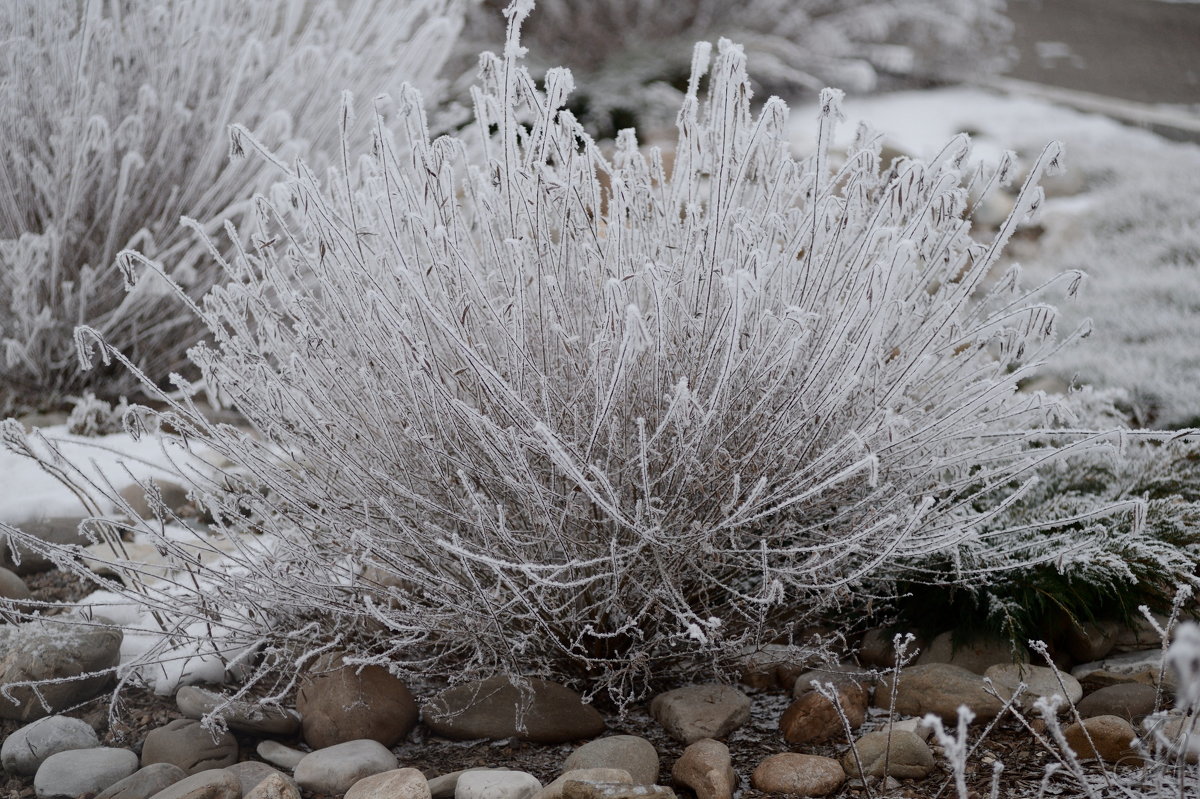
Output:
[[1038, 682], [877, 648], [1139, 635], [251, 773], [630, 752], [276, 786], [401, 783], [797, 774], [208, 784], [554, 789], [1111, 736], [185, 743], [901, 753], [144, 783], [1131, 701], [64, 530], [701, 711], [813, 718], [542, 712], [773, 666], [349, 703], [12, 586], [939, 688], [1091, 640], [707, 768], [974, 655], [45, 650], [172, 494]]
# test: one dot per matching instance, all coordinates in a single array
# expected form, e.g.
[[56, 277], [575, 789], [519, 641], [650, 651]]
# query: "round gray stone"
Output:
[[939, 688], [1131, 701], [66, 775], [491, 784], [277, 754], [336, 768], [47, 650], [974, 655], [12, 586], [55, 531], [28, 747], [903, 754], [701, 711], [444, 786], [629, 752], [145, 782]]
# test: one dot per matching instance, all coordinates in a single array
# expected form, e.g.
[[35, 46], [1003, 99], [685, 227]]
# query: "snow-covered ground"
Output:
[[114, 461], [101, 466], [1127, 213]]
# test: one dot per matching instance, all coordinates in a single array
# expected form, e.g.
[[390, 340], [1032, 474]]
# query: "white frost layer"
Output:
[[31, 493], [921, 122]]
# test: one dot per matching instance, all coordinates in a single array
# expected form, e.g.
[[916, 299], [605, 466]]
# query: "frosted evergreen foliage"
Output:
[[520, 408], [631, 57], [113, 115], [1098, 534]]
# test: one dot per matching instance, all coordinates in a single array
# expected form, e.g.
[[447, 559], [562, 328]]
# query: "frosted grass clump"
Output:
[[631, 58], [114, 118], [519, 408]]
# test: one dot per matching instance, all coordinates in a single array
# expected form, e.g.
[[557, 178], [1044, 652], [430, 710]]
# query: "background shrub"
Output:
[[632, 58], [521, 409], [114, 126]]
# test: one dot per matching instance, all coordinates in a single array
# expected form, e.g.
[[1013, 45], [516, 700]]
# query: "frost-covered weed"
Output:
[[113, 118], [522, 409], [631, 58]]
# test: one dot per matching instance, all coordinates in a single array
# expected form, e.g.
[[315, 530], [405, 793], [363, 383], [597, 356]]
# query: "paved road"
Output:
[[1144, 50]]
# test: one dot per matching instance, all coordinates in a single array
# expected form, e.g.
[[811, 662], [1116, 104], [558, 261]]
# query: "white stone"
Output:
[[554, 789], [496, 785], [335, 769], [25, 749], [277, 754], [81, 771], [917, 727], [1143, 667], [443, 787]]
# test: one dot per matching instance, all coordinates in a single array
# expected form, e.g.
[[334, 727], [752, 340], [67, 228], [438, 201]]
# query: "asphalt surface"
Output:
[[1143, 50]]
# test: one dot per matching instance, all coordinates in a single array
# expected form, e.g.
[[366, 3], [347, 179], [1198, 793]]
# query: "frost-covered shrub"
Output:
[[518, 408], [1033, 579], [113, 118], [631, 58]]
